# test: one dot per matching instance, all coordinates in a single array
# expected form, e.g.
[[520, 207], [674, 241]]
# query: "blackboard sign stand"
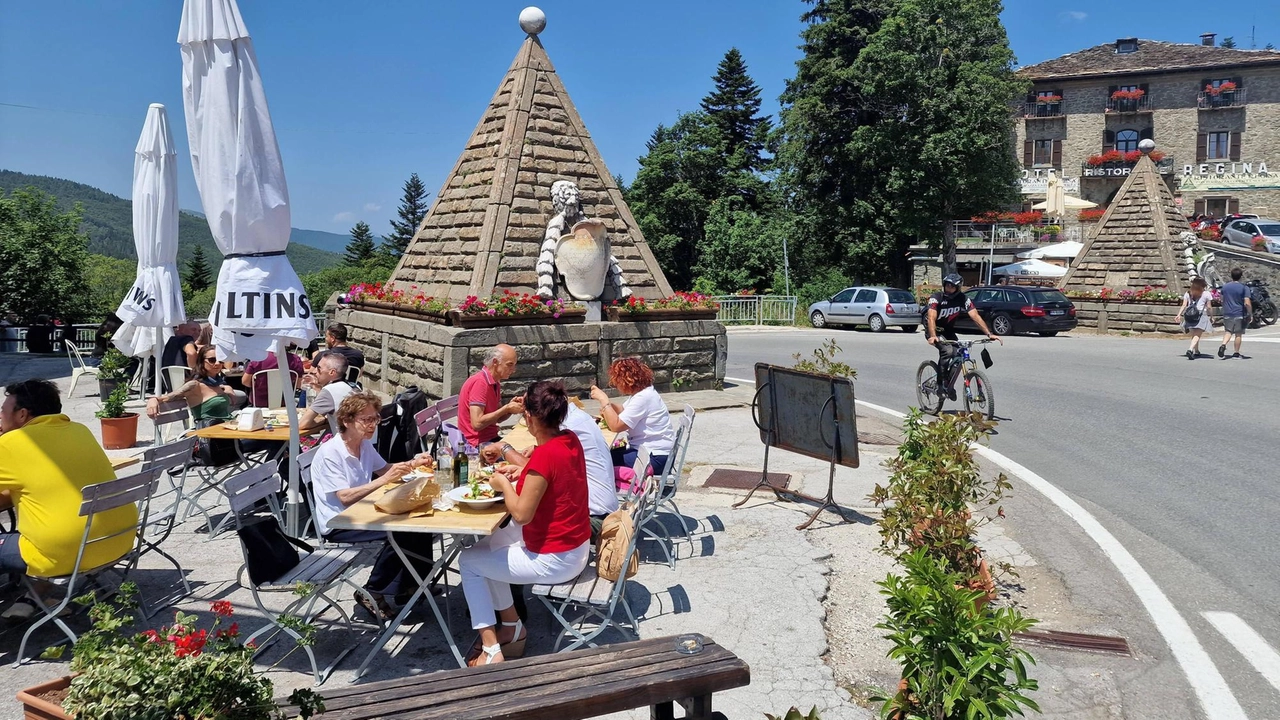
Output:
[[783, 393]]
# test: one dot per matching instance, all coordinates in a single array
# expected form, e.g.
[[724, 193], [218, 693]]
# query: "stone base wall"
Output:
[[399, 352], [1127, 317]]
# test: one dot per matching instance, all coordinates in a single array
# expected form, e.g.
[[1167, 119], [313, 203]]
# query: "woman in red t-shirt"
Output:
[[549, 537]]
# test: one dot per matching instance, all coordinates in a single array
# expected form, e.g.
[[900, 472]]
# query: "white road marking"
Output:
[[1251, 645], [1215, 696]]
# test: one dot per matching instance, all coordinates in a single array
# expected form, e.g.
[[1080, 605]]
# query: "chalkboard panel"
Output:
[[807, 412]]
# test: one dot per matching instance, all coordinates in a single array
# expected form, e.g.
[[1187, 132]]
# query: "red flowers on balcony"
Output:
[[1225, 87], [1115, 156], [1023, 219], [1046, 99], [1091, 215], [1128, 94]]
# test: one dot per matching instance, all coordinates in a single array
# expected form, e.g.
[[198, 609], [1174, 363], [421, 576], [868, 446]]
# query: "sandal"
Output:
[[490, 652], [377, 607], [515, 648]]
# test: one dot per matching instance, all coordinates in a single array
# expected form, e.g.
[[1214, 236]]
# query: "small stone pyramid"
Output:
[[486, 227], [1135, 243]]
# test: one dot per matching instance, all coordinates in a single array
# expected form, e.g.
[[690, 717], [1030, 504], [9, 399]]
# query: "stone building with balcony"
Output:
[[1213, 112]]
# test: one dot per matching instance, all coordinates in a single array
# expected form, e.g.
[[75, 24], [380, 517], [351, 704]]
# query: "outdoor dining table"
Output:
[[123, 462], [521, 439], [460, 525]]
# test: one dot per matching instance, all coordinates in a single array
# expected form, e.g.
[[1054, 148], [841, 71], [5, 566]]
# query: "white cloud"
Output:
[[1073, 16], [372, 207], [344, 216]]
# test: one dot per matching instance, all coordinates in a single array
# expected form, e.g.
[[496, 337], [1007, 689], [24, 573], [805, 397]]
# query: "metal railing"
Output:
[[757, 309], [1129, 105], [1033, 110], [968, 232], [1222, 99], [14, 339]]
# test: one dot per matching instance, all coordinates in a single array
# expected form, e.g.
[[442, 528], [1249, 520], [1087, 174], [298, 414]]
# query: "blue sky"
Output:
[[364, 93]]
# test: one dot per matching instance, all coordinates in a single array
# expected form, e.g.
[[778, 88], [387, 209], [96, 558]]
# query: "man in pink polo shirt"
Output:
[[480, 407]]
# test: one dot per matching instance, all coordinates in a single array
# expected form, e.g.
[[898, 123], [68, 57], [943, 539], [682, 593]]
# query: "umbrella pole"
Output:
[[293, 503], [156, 352]]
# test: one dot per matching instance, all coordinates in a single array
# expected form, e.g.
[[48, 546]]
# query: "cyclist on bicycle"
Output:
[[944, 309]]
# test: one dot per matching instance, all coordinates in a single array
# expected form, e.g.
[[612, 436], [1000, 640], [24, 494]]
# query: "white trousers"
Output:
[[490, 567]]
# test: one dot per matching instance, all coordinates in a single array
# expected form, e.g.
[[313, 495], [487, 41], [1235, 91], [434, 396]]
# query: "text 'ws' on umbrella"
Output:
[[240, 175], [154, 304], [260, 304]]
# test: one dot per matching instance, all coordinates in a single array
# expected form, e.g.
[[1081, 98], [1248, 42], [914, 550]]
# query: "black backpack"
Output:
[[397, 432]]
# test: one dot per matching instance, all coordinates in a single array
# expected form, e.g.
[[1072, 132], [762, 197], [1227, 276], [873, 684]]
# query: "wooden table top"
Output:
[[459, 521], [521, 439], [124, 462], [563, 686], [229, 431]]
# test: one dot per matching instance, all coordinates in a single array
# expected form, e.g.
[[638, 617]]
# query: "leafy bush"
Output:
[[114, 365], [794, 714], [179, 671], [958, 661], [113, 406], [824, 361], [822, 287]]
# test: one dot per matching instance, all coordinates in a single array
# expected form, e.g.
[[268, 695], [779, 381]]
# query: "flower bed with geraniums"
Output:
[[1115, 156], [509, 308], [1091, 215], [377, 297], [1149, 294], [681, 306], [179, 671]]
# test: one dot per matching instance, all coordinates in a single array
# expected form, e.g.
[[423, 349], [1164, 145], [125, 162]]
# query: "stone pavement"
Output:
[[799, 607]]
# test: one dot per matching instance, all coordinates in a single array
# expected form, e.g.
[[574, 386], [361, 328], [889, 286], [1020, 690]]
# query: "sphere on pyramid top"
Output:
[[1146, 146], [533, 20]]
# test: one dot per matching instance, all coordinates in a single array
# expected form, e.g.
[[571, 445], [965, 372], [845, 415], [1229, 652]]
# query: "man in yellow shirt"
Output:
[[45, 462]]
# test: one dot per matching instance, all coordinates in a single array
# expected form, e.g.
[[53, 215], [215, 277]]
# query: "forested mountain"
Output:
[[109, 222]]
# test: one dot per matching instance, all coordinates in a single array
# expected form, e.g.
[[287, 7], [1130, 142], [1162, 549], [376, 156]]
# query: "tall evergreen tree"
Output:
[[825, 180], [413, 207], [1227, 42], [199, 276], [733, 108], [361, 248], [679, 177]]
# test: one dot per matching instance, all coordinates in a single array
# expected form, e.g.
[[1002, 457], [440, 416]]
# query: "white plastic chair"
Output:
[[275, 390], [78, 366], [176, 375]]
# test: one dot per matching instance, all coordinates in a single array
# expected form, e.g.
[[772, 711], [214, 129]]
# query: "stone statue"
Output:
[[1204, 267], [577, 249]]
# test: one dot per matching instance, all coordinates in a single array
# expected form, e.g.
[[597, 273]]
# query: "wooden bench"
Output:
[[563, 686]]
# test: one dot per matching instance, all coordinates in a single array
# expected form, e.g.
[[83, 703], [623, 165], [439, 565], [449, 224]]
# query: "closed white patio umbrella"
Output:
[[260, 304], [1031, 268], [1065, 249], [154, 303]]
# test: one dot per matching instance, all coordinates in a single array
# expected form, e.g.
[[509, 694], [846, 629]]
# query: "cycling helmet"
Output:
[[953, 279]]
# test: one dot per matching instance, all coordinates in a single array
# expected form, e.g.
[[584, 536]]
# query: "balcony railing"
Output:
[[969, 234], [1228, 99], [1033, 110], [1129, 105]]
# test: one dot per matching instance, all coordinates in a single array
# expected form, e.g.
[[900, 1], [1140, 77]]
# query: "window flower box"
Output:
[[44, 701], [508, 308], [681, 306]]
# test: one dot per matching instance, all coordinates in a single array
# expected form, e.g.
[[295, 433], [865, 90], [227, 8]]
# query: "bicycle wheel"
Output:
[[978, 395], [928, 395]]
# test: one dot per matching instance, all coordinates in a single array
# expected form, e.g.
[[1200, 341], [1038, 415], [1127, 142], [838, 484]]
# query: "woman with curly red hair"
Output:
[[643, 416]]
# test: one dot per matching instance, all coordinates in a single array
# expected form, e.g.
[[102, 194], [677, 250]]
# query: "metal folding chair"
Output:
[[308, 585], [100, 498], [78, 366], [675, 470], [593, 596], [428, 423], [164, 505]]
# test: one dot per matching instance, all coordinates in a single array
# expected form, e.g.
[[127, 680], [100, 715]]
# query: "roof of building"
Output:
[[1152, 56], [1133, 245], [485, 229]]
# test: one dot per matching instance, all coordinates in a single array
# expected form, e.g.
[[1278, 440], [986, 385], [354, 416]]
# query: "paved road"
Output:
[[1177, 458]]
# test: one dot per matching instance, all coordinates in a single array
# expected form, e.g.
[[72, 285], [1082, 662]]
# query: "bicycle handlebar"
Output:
[[963, 343]]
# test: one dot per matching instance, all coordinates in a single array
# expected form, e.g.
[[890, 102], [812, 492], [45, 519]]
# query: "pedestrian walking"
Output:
[[1194, 315], [1236, 309]]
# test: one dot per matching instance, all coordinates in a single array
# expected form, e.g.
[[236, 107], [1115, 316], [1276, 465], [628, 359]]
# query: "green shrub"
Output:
[[113, 406], [958, 661], [114, 365]]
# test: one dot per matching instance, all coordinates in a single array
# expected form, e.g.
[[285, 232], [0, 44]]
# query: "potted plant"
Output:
[[179, 671], [378, 298], [509, 308], [681, 306], [113, 370], [119, 428]]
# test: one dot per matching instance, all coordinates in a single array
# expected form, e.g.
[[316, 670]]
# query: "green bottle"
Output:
[[460, 470]]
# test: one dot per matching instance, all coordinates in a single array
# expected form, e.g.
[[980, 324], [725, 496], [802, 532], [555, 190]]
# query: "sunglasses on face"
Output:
[[211, 360]]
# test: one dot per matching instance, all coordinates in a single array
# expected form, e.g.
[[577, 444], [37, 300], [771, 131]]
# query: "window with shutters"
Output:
[[1219, 146], [1217, 206], [1127, 140], [1043, 154]]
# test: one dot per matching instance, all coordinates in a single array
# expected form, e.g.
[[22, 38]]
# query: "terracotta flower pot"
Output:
[[120, 433], [44, 701]]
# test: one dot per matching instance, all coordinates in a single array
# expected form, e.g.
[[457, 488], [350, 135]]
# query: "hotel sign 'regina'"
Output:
[[1228, 176]]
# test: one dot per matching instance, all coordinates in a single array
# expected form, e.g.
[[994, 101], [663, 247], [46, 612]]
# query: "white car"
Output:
[[1242, 233], [875, 307]]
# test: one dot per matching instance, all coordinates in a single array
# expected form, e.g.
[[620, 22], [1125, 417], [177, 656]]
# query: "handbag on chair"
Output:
[[269, 553]]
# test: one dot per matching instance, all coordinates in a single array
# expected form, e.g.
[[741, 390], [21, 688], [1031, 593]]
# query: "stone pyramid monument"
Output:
[[1136, 244], [486, 227]]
